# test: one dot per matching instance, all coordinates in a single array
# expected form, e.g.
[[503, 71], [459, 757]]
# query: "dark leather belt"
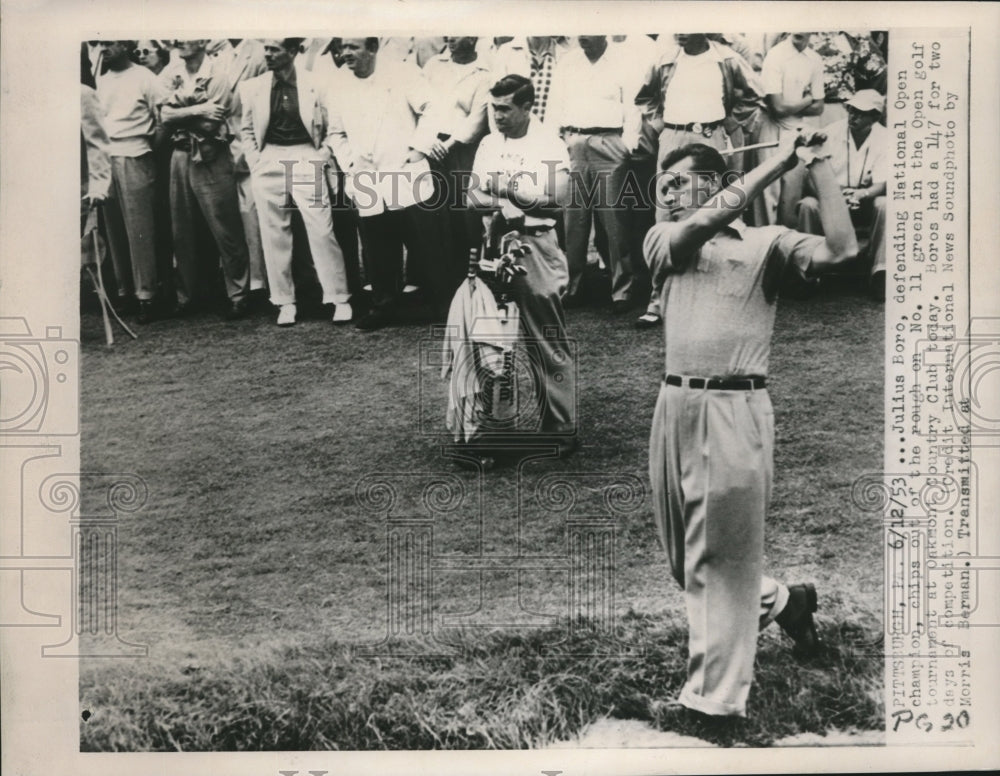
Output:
[[698, 127], [753, 383], [593, 130]]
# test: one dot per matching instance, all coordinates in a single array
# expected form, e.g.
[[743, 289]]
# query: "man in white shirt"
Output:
[[699, 91], [416, 51], [522, 170], [377, 141], [792, 79], [859, 155], [284, 129], [593, 105], [129, 95]]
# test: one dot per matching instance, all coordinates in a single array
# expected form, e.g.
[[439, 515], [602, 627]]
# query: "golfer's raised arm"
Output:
[[840, 244], [726, 206]]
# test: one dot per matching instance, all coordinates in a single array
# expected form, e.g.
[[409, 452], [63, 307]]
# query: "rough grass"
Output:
[[502, 690], [253, 569]]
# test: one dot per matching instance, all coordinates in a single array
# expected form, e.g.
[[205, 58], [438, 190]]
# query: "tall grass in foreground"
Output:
[[501, 690]]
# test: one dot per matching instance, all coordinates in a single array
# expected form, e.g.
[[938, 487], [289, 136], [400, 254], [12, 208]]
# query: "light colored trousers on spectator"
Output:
[[209, 187], [251, 230], [873, 214], [779, 198], [131, 228], [599, 165], [711, 466], [274, 197]]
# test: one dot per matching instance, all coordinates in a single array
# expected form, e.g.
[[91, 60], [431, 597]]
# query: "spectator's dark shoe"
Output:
[[572, 301], [181, 309], [258, 300], [474, 461], [796, 619], [620, 306], [648, 321], [567, 445], [237, 310], [147, 311], [372, 321]]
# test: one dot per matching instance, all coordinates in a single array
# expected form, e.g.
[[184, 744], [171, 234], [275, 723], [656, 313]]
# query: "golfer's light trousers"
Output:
[[711, 466]]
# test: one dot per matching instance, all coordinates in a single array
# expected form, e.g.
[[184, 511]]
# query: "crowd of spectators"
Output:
[[211, 164]]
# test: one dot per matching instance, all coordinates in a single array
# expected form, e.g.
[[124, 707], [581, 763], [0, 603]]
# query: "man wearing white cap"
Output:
[[858, 146]]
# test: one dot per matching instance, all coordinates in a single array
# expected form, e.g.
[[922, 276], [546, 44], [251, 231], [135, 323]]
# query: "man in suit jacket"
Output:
[[283, 128]]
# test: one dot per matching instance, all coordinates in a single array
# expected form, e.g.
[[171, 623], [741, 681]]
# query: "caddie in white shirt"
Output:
[[522, 170]]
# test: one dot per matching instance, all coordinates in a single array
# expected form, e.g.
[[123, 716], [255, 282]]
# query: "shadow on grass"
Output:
[[502, 690]]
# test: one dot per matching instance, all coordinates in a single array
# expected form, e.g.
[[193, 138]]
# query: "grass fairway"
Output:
[[253, 573]]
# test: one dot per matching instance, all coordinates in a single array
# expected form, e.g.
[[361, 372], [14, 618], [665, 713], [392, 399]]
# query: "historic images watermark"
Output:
[[397, 188]]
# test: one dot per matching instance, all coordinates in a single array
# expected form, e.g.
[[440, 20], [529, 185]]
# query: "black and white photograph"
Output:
[[423, 392]]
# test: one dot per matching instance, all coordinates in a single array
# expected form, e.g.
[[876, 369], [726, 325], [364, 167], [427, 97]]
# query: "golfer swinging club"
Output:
[[711, 444]]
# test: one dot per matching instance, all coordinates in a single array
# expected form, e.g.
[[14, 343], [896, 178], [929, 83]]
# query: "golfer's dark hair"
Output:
[[704, 159], [292, 45], [371, 44], [517, 85]]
